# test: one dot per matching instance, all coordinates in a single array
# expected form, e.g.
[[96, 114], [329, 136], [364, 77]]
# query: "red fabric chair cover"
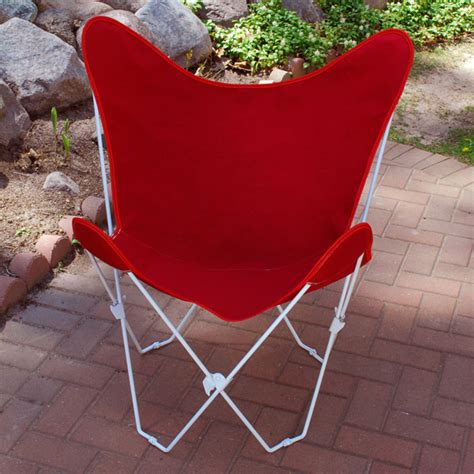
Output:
[[235, 196]]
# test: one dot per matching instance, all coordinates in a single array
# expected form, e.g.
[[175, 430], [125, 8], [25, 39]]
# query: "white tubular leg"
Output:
[[310, 350]]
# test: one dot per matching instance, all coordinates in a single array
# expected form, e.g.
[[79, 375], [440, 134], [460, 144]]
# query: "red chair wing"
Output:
[[239, 177]]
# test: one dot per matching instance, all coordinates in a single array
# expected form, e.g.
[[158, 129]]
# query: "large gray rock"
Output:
[[128, 19], [177, 31], [57, 181], [14, 121], [130, 5], [305, 9], [77, 9], [40, 68], [24, 9], [376, 3], [223, 12], [59, 23]]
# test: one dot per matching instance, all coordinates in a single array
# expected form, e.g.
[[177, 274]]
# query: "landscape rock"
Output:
[[94, 209], [53, 247], [128, 19], [24, 9], [305, 9], [12, 291], [14, 120], [376, 3], [177, 31], [59, 23], [40, 68], [30, 267], [58, 181], [77, 9], [130, 5], [223, 12]]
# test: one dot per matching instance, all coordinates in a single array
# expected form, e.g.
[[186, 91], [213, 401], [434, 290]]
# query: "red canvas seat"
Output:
[[229, 195], [236, 198]]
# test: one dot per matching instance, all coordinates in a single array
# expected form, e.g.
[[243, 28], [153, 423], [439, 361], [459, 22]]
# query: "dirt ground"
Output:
[[439, 96], [27, 211]]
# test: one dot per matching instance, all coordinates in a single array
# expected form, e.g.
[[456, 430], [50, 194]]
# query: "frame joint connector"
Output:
[[118, 310], [336, 325]]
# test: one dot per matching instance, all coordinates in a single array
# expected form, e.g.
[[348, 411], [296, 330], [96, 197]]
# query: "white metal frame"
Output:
[[214, 384]]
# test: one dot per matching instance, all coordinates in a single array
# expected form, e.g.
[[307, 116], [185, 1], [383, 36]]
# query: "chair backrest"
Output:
[[223, 173]]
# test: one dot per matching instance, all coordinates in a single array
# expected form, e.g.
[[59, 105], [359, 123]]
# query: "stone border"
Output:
[[28, 269]]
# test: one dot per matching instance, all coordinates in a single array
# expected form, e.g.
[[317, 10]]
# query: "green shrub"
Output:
[[193, 5], [268, 36], [270, 33], [348, 22], [428, 21]]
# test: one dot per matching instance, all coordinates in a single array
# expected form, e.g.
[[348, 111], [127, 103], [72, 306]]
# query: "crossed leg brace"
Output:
[[214, 384]]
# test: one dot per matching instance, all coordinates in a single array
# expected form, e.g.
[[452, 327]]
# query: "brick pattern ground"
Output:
[[398, 396]]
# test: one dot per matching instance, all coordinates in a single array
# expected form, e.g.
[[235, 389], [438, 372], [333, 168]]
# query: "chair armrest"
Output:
[[341, 257], [98, 243]]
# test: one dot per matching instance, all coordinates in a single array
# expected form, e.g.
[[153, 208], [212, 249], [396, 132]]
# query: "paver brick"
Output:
[[103, 434], [436, 311], [310, 458], [66, 409], [48, 317], [269, 394], [454, 411], [11, 379], [417, 235], [391, 294], [457, 380], [406, 354], [23, 357], [113, 463], [64, 455], [16, 466], [14, 419], [75, 371], [397, 322], [444, 341], [376, 445], [114, 402], [468, 464], [407, 214], [415, 391], [440, 207], [431, 284], [384, 268], [63, 300], [220, 445], [421, 259], [426, 430], [456, 250], [84, 338], [435, 459], [20, 333], [371, 401], [39, 389]]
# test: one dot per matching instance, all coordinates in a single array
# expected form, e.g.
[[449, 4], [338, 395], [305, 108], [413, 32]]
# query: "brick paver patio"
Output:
[[399, 394]]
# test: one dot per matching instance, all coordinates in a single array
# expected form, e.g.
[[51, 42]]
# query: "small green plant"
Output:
[[63, 139], [23, 231], [54, 122], [66, 140], [193, 5], [268, 36]]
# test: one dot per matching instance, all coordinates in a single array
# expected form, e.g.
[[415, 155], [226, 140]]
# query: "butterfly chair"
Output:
[[236, 198]]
